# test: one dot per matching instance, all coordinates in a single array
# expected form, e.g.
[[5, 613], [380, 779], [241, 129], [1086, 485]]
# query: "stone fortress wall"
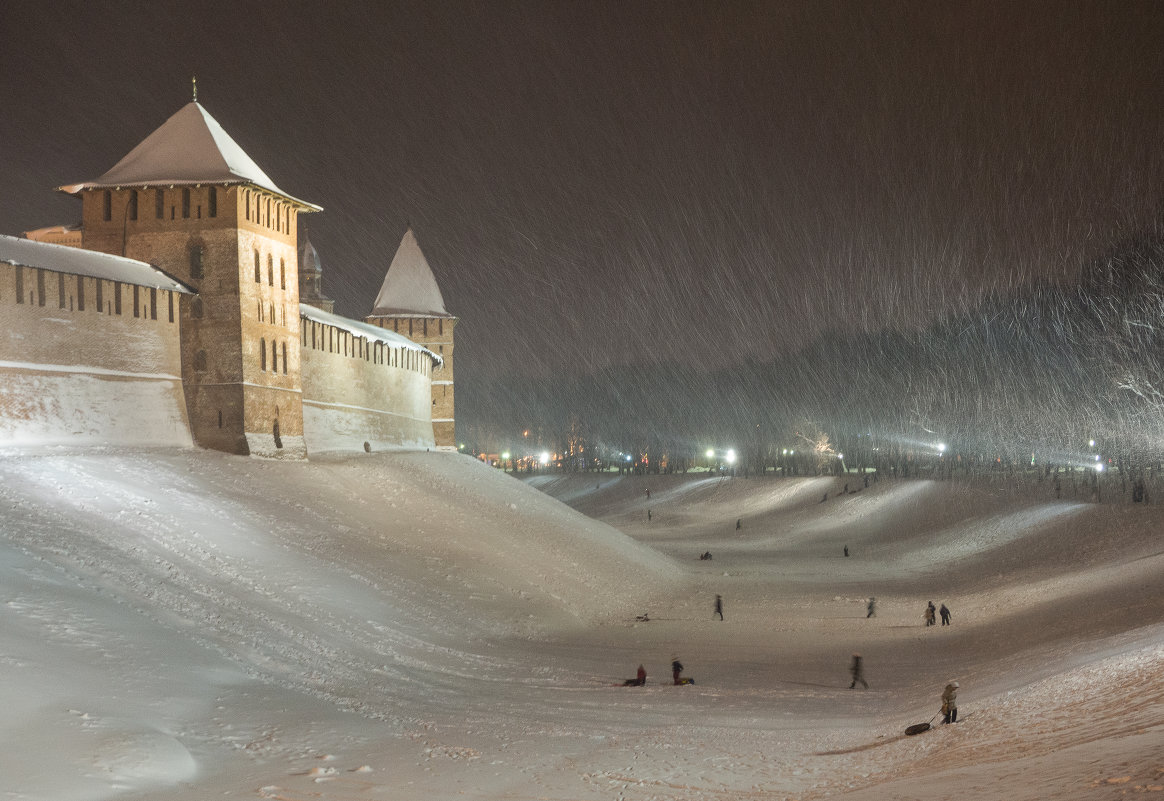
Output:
[[227, 357], [346, 381], [89, 361]]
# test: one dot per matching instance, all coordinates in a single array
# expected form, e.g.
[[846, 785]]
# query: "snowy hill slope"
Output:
[[183, 624]]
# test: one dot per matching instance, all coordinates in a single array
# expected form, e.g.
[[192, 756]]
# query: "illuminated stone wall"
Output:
[[78, 371], [356, 393]]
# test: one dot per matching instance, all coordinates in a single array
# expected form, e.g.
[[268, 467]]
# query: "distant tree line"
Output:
[[1036, 373]]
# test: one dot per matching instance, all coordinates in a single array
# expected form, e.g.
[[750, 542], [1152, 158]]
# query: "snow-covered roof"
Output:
[[372, 333], [409, 287], [190, 148], [92, 263], [310, 260]]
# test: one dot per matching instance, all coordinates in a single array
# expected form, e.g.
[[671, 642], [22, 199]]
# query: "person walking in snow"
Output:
[[739, 523], [718, 607], [871, 608], [945, 613], [858, 671], [930, 616], [950, 703], [676, 669]]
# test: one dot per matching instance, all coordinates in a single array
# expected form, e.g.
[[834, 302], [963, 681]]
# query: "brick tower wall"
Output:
[[240, 345]]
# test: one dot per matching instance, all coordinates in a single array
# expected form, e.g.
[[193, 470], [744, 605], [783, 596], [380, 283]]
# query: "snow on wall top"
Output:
[[190, 148], [372, 333], [409, 287], [92, 263]]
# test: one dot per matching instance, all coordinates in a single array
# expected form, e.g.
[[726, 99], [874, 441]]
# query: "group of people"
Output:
[[640, 679], [932, 613]]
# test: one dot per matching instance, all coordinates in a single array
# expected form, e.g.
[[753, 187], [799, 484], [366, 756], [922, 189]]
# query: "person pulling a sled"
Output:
[[950, 703], [639, 681], [676, 669]]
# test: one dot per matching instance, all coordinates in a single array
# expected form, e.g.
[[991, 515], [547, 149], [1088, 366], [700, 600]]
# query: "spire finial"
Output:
[[194, 81]]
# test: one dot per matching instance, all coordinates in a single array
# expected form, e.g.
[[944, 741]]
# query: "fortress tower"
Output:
[[189, 201], [311, 278], [410, 304]]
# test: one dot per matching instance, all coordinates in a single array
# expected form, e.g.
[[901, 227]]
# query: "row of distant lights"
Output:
[[730, 455]]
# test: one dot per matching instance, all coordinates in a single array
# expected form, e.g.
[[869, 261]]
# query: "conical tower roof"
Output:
[[409, 287], [309, 262], [190, 148]]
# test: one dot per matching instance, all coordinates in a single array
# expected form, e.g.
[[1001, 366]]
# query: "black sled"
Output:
[[918, 728]]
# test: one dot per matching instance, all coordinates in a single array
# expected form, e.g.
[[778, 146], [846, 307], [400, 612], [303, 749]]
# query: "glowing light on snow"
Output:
[[941, 447], [710, 453], [545, 458], [730, 456]]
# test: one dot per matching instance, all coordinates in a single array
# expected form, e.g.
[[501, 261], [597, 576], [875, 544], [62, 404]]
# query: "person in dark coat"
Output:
[[858, 671], [718, 607], [945, 613], [871, 608], [676, 669]]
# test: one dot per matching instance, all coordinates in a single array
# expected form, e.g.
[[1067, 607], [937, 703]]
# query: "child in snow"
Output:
[[930, 617], [639, 681], [950, 703]]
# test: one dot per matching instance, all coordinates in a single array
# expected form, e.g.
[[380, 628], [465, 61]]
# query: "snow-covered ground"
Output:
[[183, 624]]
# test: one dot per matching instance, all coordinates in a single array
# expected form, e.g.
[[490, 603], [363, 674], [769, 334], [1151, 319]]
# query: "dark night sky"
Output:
[[610, 183]]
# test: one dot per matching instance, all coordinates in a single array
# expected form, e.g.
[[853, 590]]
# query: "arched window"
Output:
[[196, 308], [262, 354], [273, 321], [196, 256], [247, 203], [185, 202], [258, 269], [159, 203], [284, 358], [282, 274], [133, 205], [107, 210], [274, 356], [270, 271], [212, 202]]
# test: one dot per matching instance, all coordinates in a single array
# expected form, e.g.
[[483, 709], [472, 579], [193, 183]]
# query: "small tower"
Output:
[[311, 278], [410, 303], [190, 201]]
